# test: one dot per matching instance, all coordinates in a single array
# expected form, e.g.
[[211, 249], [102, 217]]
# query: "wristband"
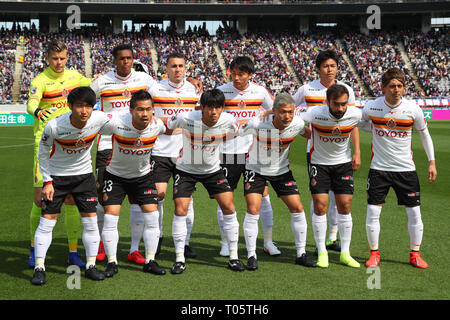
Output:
[[36, 112], [48, 182]]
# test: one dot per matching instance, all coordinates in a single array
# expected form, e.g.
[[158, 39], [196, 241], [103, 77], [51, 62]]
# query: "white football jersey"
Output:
[[313, 94], [201, 153], [244, 105], [330, 137], [392, 133], [131, 148], [269, 152], [115, 93], [169, 99], [65, 150]]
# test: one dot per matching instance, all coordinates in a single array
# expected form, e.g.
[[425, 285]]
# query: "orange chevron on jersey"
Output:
[[136, 142], [77, 143], [122, 93], [204, 139], [392, 123], [332, 130], [315, 100], [55, 95], [282, 142], [243, 103], [171, 102]]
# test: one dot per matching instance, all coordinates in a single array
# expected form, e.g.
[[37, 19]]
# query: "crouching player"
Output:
[[129, 173], [268, 162], [65, 164], [203, 131]]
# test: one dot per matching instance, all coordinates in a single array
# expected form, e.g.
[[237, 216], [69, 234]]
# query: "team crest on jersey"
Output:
[[208, 139], [391, 124], [138, 143], [241, 104], [80, 142], [65, 92], [33, 90], [126, 93], [179, 102], [336, 131]]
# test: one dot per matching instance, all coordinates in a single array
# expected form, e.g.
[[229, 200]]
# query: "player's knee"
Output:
[[253, 210], [296, 208], [228, 209]]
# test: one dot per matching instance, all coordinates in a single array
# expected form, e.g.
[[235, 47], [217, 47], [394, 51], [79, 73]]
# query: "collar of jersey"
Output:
[[175, 85], [123, 78], [390, 105], [53, 74]]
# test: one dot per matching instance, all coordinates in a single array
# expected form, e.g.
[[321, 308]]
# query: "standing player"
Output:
[[314, 94], [47, 100], [244, 100], [65, 163], [392, 119], [128, 172], [268, 161], [171, 96], [114, 89], [199, 161], [332, 167]]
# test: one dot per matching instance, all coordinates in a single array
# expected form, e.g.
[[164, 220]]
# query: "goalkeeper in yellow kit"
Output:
[[47, 100]]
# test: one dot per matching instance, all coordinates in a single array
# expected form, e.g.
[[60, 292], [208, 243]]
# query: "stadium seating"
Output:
[[369, 54]]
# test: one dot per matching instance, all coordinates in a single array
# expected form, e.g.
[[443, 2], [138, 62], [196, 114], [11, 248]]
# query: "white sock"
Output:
[[332, 216], [91, 238], [250, 227], [415, 227], [137, 226], [311, 208], [42, 240], [319, 225], [100, 216], [161, 215], [231, 230], [110, 236], [299, 228], [373, 225], [179, 231], [220, 218], [151, 234], [266, 216], [189, 221], [345, 226]]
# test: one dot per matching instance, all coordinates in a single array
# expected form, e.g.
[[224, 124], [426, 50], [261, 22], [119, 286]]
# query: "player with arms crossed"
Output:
[[268, 161], [171, 96], [65, 163], [199, 161], [392, 119], [244, 100], [47, 100], [332, 166], [128, 172], [314, 94]]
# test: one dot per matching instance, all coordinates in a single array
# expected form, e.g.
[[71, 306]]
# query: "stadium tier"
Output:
[[283, 61]]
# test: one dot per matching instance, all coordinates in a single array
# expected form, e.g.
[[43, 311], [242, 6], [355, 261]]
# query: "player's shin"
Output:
[[42, 240], [110, 236], [266, 213], [137, 226], [250, 227], [415, 227], [231, 230], [151, 234], [179, 231], [35, 218], [161, 215], [189, 221], [299, 229], [345, 226], [91, 239], [332, 216], [319, 225], [373, 225]]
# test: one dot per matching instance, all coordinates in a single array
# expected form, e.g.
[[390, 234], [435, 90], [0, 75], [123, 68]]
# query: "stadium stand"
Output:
[[8, 44]]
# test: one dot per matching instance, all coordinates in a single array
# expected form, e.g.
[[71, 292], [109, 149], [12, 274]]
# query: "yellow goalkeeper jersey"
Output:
[[50, 90]]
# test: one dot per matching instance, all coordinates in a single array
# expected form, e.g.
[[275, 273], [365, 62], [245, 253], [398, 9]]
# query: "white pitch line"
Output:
[[17, 145]]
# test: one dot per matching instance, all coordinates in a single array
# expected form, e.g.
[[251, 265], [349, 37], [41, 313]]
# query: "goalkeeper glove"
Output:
[[44, 114]]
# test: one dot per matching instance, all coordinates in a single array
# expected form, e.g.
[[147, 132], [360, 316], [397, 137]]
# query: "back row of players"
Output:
[[214, 148]]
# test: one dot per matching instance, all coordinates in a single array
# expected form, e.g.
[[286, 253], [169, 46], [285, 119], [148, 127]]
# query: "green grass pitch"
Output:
[[206, 277]]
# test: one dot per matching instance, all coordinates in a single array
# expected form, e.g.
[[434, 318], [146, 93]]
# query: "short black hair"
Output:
[[325, 55], [176, 54], [212, 98], [140, 95], [243, 63], [336, 90], [83, 94], [121, 47]]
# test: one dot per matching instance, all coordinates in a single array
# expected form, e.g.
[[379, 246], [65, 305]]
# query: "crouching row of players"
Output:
[[65, 164]]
